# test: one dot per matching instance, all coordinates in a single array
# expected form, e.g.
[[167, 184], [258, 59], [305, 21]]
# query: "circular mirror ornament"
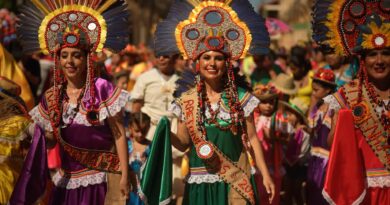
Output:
[[192, 34], [357, 9], [232, 34], [54, 27], [384, 6], [379, 41], [92, 26], [72, 17], [349, 26], [214, 42], [213, 18], [71, 39]]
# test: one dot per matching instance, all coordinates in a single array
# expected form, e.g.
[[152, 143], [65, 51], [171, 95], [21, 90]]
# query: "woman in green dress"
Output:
[[214, 105]]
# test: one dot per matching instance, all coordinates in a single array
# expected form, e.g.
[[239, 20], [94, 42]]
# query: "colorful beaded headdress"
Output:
[[350, 26], [49, 23], [195, 26], [91, 25]]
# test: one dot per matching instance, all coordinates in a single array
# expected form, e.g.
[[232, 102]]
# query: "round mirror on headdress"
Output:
[[193, 27], [350, 26]]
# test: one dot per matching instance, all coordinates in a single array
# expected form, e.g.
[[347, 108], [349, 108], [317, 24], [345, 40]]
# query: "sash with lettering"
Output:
[[367, 120], [101, 160], [237, 175]]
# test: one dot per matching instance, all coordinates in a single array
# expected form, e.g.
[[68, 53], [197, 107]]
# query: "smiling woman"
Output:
[[214, 106], [78, 109], [359, 161], [73, 62]]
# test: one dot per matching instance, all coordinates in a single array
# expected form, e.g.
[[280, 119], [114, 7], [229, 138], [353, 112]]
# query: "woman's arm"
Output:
[[259, 157], [181, 140], [118, 131]]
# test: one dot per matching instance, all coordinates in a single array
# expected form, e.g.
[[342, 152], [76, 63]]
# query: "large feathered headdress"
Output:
[[47, 25], [195, 26], [350, 26]]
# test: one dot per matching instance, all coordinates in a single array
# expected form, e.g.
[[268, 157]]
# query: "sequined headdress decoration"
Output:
[[195, 26], [349, 26], [49, 25]]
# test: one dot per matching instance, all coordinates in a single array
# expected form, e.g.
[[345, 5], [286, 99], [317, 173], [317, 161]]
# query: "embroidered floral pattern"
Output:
[[89, 177], [379, 181], [203, 178]]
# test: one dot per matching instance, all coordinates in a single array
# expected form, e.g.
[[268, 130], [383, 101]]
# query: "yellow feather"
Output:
[[40, 6], [193, 2], [105, 6]]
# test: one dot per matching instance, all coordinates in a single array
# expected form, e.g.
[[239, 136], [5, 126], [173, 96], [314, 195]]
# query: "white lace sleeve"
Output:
[[250, 104], [333, 103], [176, 110], [39, 119], [116, 105]]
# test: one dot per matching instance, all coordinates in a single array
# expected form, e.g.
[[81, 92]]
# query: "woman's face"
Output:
[[212, 65], [378, 64], [319, 91], [73, 62]]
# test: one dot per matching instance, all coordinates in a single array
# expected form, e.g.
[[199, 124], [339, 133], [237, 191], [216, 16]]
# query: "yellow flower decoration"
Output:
[[379, 38]]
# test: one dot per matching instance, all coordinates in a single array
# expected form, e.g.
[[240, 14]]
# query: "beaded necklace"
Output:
[[236, 112], [374, 98], [76, 109]]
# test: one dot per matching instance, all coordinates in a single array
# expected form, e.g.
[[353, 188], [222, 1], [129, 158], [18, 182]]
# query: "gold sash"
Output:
[[236, 175], [366, 119]]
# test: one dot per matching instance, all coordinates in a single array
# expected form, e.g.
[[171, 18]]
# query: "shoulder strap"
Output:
[[93, 159], [366, 119], [228, 171]]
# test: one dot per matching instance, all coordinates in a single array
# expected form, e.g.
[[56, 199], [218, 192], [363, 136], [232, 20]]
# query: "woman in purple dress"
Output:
[[319, 123], [80, 113]]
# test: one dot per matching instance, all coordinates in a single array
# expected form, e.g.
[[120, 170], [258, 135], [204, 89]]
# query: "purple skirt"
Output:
[[92, 194]]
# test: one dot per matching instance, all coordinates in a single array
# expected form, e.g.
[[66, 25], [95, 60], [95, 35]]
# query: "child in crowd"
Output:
[[319, 123], [138, 147], [296, 150], [121, 79], [266, 130]]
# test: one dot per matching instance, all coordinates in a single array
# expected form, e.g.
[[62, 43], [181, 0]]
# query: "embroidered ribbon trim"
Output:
[[83, 178], [225, 168], [378, 178], [367, 120], [100, 160]]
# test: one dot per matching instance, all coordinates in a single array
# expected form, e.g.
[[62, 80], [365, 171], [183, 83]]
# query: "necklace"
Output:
[[76, 109], [214, 114], [375, 98]]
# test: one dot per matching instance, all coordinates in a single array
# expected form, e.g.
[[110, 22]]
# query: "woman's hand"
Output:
[[124, 187], [269, 187]]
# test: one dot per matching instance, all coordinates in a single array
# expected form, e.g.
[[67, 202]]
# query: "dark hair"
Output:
[[298, 57], [325, 85], [123, 73], [141, 119]]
